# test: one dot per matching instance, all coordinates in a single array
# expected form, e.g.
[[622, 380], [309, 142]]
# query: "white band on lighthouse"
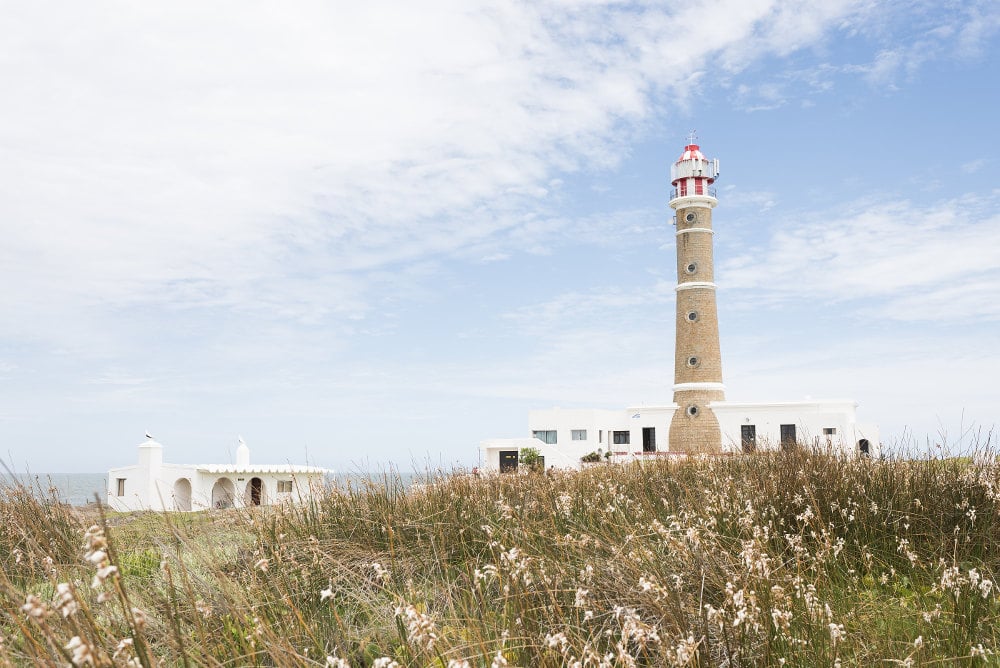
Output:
[[681, 387], [691, 285], [696, 229]]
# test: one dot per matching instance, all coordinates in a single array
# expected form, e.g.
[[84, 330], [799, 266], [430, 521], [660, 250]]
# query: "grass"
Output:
[[789, 559]]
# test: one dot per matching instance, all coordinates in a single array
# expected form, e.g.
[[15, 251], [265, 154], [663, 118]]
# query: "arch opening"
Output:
[[182, 494], [223, 493]]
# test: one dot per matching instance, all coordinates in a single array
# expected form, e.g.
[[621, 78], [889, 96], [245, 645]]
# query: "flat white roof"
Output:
[[257, 468]]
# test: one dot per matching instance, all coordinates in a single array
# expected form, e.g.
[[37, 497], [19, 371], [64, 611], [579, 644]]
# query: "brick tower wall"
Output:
[[697, 356]]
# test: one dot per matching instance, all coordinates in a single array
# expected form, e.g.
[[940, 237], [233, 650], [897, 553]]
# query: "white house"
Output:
[[153, 484], [564, 436]]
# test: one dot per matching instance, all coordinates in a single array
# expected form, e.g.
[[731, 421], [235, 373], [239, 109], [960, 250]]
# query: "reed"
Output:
[[795, 559]]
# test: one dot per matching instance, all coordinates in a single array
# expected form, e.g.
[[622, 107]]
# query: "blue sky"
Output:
[[382, 233]]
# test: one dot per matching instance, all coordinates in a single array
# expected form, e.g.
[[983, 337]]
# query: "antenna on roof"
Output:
[[692, 136]]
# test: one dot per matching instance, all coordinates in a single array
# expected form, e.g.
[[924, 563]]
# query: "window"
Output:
[[693, 362], [748, 437], [600, 436], [578, 434], [620, 437], [690, 217], [545, 436], [691, 268], [829, 431], [121, 486], [692, 316], [284, 486], [692, 411]]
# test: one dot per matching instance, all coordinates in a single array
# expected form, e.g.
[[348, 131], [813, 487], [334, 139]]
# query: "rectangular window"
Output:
[[579, 434], [829, 431], [620, 437], [600, 435], [284, 486], [545, 436], [121, 486]]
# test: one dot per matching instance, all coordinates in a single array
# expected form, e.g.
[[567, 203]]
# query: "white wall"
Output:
[[158, 494], [809, 417]]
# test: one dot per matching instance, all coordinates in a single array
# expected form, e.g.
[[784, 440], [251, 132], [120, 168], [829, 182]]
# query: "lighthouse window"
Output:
[[121, 486], [693, 362], [690, 217], [691, 268], [692, 316], [692, 410]]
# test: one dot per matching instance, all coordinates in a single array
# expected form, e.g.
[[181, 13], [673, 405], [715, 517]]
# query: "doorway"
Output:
[[787, 436], [255, 492], [748, 437], [649, 439], [508, 460]]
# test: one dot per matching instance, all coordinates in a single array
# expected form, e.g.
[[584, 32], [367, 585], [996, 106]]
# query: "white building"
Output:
[[564, 436], [153, 484]]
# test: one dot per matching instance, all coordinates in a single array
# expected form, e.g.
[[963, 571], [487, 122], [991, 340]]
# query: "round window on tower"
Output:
[[692, 411], [693, 362], [692, 316], [691, 217], [691, 268]]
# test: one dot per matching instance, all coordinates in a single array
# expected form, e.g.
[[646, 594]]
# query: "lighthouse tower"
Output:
[[697, 359]]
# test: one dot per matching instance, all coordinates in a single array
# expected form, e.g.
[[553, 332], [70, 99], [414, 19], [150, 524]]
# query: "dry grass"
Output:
[[793, 559]]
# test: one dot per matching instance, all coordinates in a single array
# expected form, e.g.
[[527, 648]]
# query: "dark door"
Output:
[[748, 436], [864, 447], [649, 439], [256, 489], [787, 436], [508, 460]]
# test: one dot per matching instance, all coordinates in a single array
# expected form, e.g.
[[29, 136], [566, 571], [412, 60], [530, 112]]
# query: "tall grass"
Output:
[[792, 559]]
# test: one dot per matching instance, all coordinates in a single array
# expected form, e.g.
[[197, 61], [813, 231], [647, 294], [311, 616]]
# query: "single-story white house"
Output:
[[153, 484], [564, 436]]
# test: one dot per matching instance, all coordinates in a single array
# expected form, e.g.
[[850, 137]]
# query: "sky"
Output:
[[373, 234]]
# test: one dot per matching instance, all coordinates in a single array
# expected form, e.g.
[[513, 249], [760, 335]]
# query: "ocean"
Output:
[[76, 489]]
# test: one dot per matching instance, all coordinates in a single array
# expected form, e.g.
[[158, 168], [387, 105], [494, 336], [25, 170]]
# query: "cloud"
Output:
[[939, 262], [242, 158], [974, 166]]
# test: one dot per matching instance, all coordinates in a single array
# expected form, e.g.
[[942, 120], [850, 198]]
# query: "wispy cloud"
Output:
[[940, 262], [255, 160]]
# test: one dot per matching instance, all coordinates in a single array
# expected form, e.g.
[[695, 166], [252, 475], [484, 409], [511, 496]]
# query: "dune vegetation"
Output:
[[792, 559]]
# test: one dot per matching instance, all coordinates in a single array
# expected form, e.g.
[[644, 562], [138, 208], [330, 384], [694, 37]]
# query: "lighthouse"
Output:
[[694, 427]]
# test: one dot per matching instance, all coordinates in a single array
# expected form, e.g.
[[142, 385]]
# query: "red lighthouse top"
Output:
[[693, 173], [691, 152]]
